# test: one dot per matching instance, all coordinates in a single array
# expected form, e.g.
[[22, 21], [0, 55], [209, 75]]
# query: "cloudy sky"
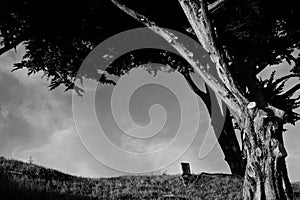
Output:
[[84, 136]]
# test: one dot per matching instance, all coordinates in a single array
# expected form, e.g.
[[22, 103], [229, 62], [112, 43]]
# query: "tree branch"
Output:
[[198, 16], [215, 5], [219, 88]]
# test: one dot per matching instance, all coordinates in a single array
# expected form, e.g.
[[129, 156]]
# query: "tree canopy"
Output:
[[59, 35]]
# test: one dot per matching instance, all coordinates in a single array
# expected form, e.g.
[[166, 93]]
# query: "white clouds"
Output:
[[57, 152], [3, 112], [30, 113], [65, 152], [137, 145]]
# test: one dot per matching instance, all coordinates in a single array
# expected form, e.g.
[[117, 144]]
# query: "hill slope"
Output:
[[19, 180]]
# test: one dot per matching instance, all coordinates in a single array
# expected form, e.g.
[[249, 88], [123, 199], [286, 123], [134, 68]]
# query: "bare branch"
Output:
[[193, 12], [277, 112]]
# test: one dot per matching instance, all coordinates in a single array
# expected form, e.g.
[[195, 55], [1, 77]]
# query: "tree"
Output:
[[243, 38], [266, 38], [57, 44]]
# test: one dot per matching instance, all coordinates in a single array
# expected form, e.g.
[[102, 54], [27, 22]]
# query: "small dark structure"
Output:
[[186, 173], [186, 170]]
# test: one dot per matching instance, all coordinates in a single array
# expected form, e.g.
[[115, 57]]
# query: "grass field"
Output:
[[19, 180]]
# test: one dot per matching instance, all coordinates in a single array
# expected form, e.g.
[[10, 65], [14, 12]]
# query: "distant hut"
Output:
[[186, 173], [186, 169]]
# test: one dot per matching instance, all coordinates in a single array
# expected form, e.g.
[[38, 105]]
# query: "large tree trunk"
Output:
[[266, 174]]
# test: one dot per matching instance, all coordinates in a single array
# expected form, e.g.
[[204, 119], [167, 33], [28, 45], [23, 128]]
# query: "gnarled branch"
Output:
[[198, 16]]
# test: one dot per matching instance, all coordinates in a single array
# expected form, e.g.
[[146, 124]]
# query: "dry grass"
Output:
[[19, 180]]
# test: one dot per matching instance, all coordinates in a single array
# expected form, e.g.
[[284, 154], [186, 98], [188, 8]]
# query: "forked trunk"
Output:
[[224, 131], [266, 174]]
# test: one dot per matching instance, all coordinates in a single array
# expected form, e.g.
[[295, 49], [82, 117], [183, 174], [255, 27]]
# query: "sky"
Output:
[[155, 124]]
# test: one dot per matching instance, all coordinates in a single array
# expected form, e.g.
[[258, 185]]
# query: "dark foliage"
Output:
[[59, 35]]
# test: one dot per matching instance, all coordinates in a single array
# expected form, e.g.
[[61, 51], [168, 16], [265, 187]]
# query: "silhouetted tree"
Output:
[[242, 38]]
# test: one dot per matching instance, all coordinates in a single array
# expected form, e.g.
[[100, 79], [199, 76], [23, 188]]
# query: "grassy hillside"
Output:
[[19, 180]]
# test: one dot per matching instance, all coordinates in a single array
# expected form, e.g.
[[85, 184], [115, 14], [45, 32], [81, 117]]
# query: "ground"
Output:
[[20, 180]]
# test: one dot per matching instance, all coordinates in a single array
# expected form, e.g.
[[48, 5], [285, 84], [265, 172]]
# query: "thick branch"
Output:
[[226, 137], [197, 14], [219, 88], [199, 18], [193, 11]]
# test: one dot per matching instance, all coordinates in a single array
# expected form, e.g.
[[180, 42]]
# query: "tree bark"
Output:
[[266, 174]]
